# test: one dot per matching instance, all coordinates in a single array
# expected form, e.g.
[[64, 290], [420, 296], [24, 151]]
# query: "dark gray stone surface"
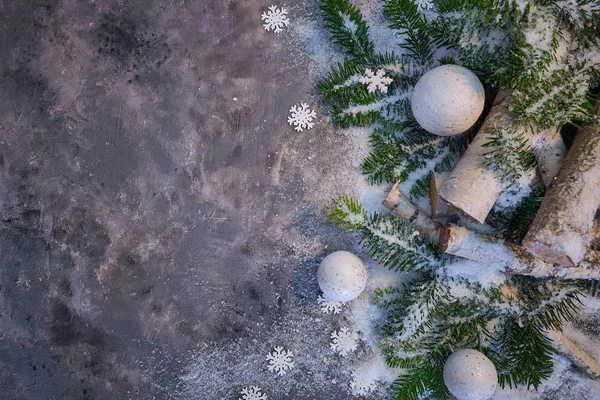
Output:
[[146, 214]]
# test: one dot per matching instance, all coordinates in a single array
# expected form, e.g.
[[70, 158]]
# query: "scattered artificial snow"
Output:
[[362, 383], [280, 360], [424, 4], [301, 117], [376, 81], [344, 341], [329, 306], [252, 393], [275, 19]]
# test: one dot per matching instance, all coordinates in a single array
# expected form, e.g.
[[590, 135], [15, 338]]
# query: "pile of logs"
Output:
[[563, 241]]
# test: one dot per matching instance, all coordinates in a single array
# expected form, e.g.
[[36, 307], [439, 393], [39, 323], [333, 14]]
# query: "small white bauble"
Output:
[[447, 100], [470, 375], [342, 276]]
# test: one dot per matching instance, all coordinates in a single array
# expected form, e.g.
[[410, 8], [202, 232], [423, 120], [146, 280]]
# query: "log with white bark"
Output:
[[472, 188], [401, 207], [549, 151], [562, 344], [560, 232], [439, 207], [575, 354], [462, 242]]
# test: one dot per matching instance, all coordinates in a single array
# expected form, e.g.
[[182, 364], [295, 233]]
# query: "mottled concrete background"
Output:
[[155, 204]]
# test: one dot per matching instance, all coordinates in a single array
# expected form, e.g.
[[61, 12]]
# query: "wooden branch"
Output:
[[403, 208], [460, 241], [549, 150], [560, 233], [579, 357], [471, 187], [439, 207]]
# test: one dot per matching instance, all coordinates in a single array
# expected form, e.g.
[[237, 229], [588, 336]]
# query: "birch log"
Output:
[[560, 232], [439, 207], [549, 151], [461, 242], [471, 187], [403, 208]]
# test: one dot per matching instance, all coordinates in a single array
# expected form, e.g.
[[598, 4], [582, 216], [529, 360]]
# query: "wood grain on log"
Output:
[[560, 233], [439, 207]]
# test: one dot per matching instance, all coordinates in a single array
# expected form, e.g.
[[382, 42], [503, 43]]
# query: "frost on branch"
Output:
[[275, 19], [280, 360], [344, 341], [329, 306], [252, 393], [302, 117], [376, 81]]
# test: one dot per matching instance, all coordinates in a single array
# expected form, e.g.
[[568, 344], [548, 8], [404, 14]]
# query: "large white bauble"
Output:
[[342, 276], [470, 375], [447, 100]]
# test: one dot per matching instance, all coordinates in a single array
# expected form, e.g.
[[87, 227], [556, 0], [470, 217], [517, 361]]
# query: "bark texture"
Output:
[[471, 187], [439, 207], [560, 233], [549, 150], [461, 242]]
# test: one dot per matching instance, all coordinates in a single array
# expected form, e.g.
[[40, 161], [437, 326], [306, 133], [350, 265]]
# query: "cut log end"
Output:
[[447, 237], [549, 251]]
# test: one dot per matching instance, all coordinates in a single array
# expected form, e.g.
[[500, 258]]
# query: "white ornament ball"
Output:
[[447, 100], [470, 375], [342, 276]]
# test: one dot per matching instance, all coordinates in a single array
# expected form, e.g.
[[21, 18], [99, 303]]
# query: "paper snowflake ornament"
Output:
[[424, 4], [252, 393], [280, 360], [301, 117], [375, 81], [275, 19], [329, 306], [362, 384], [344, 341]]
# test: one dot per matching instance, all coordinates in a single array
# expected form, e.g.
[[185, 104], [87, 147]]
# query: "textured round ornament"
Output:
[[342, 276], [447, 100], [470, 375]]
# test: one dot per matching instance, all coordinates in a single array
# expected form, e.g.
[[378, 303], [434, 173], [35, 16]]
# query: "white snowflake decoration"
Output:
[[329, 306], [361, 384], [301, 117], [424, 4], [376, 81], [344, 341], [252, 393], [280, 360], [275, 19]]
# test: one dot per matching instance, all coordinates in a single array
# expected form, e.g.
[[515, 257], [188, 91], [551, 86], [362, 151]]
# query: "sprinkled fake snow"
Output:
[[329, 306], [361, 383], [275, 19], [301, 117], [424, 4], [252, 393], [280, 360], [376, 81], [344, 341]]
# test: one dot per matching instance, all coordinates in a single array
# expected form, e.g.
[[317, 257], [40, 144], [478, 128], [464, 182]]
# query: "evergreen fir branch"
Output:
[[348, 28], [522, 355], [348, 214], [403, 15], [523, 216], [509, 156], [425, 378], [395, 245], [590, 288]]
